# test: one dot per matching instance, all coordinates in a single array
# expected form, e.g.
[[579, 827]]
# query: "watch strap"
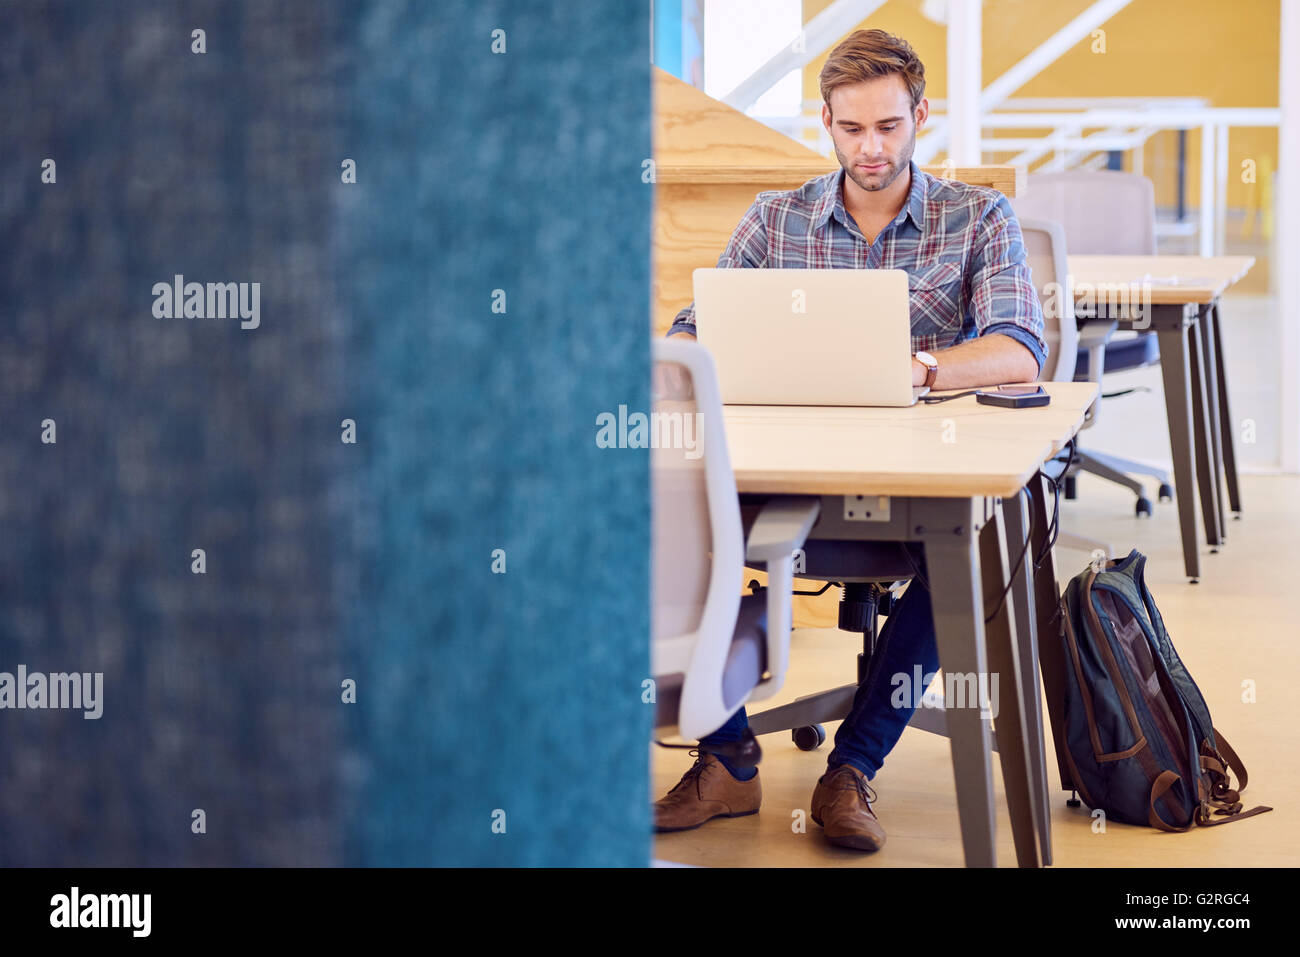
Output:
[[931, 369]]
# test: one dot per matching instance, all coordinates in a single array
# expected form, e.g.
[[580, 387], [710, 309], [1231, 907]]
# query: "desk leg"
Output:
[[1207, 463], [1227, 428], [1051, 656], [953, 562], [1022, 594], [1212, 399], [1174, 368], [1004, 662]]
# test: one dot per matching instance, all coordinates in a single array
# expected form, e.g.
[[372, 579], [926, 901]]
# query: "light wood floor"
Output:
[[1241, 623]]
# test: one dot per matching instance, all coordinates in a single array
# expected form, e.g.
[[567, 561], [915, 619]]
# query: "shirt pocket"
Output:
[[934, 295]]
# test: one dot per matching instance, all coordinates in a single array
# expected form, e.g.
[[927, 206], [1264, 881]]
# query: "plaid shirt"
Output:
[[967, 274]]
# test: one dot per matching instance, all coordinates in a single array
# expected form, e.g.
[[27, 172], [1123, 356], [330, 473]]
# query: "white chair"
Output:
[[713, 649], [1049, 270], [1103, 212]]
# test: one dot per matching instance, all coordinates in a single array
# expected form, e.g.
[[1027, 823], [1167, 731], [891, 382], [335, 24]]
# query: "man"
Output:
[[975, 321]]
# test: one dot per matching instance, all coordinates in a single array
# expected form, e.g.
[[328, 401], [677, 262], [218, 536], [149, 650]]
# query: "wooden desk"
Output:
[[1179, 299], [945, 495], [923, 450], [1174, 280]]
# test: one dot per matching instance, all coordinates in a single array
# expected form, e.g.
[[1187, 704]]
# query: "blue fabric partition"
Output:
[[418, 627]]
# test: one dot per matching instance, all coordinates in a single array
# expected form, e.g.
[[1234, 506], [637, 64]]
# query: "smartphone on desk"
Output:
[[1014, 396]]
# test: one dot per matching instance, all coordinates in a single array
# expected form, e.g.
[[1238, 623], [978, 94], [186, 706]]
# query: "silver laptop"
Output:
[[808, 336]]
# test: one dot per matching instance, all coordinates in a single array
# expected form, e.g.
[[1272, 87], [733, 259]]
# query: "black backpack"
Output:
[[1139, 742]]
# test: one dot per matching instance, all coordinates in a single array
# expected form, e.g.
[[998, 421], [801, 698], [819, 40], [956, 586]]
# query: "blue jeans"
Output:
[[875, 722]]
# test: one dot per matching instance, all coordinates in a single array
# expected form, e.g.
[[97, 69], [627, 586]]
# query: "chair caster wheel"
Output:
[[1073, 802], [1070, 488], [1143, 507], [1166, 492], [809, 737]]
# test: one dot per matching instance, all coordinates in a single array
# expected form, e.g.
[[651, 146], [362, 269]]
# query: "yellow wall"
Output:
[[1225, 52]]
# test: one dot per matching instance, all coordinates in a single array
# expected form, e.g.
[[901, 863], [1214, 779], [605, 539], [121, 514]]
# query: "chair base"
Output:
[[1084, 543], [834, 705], [1119, 470]]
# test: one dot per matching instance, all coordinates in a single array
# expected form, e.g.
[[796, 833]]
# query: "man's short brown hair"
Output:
[[867, 54]]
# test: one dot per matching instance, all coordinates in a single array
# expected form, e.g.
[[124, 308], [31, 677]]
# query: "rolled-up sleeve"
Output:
[[747, 249], [1002, 297]]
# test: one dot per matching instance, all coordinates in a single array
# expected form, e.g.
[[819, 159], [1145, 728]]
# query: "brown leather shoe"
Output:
[[841, 804], [706, 791]]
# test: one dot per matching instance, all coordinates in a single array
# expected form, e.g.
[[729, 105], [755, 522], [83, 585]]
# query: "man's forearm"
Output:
[[988, 360]]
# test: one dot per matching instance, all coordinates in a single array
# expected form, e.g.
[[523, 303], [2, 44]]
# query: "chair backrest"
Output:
[[1104, 212], [1045, 246], [698, 540]]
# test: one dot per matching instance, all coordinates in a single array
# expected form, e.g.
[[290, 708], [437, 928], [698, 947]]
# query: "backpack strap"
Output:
[[1218, 777], [1230, 757], [1223, 803], [1204, 820], [1221, 797], [1159, 786]]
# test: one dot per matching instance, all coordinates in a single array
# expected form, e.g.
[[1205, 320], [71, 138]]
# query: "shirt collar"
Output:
[[915, 205], [832, 200]]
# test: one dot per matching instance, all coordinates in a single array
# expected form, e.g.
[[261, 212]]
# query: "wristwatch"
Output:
[[931, 367]]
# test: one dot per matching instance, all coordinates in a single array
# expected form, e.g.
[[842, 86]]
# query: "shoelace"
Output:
[[693, 775], [864, 789]]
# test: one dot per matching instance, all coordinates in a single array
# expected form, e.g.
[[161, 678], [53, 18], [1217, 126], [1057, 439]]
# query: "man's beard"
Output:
[[877, 181]]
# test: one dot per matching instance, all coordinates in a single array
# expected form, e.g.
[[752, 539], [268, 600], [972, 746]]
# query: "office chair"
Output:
[[713, 649], [1049, 270], [1109, 213], [870, 574]]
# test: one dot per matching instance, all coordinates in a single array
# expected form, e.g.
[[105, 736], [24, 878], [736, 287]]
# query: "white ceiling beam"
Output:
[[1110, 140], [1039, 59], [1048, 52], [1166, 118], [819, 35], [1041, 147], [932, 139], [965, 80], [939, 105]]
